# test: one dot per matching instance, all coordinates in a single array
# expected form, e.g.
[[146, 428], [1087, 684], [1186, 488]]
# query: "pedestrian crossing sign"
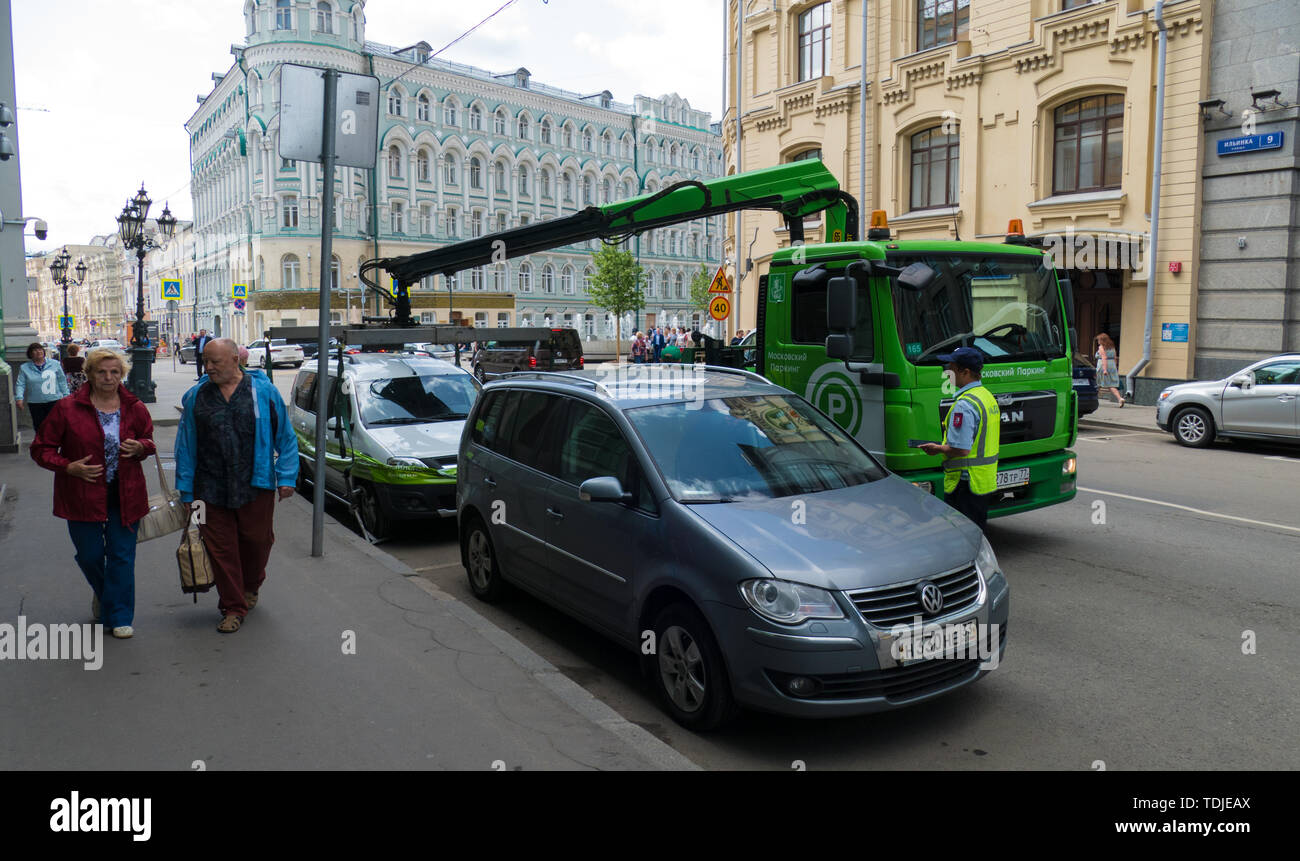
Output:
[[720, 283], [171, 290], [69, 322], [239, 291]]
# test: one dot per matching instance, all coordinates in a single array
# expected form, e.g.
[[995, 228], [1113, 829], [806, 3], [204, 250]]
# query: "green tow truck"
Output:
[[885, 309]]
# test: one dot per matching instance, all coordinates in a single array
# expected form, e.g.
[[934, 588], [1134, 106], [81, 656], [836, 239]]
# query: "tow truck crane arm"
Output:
[[795, 190]]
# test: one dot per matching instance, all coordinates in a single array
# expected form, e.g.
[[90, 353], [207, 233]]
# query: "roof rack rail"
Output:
[[723, 369], [550, 375]]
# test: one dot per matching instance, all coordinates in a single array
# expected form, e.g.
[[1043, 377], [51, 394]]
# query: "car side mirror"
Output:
[[332, 423], [1241, 382], [917, 277], [605, 488]]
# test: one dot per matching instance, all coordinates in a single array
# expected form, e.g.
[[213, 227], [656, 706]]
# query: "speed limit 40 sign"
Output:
[[719, 307]]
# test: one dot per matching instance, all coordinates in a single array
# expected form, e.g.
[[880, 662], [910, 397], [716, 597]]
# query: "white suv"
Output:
[[282, 353]]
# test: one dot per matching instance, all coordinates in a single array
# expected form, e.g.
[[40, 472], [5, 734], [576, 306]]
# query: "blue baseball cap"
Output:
[[964, 357]]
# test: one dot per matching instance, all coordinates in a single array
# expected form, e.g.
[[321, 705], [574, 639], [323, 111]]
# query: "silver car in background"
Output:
[[1258, 402]]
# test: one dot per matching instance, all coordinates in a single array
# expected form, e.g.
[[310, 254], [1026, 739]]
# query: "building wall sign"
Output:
[[1250, 143], [1174, 332]]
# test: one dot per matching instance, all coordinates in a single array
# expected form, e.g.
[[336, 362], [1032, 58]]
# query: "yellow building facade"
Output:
[[980, 111]]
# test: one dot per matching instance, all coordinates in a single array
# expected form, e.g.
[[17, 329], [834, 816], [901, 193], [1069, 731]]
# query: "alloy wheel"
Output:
[[1191, 427], [480, 559], [681, 666]]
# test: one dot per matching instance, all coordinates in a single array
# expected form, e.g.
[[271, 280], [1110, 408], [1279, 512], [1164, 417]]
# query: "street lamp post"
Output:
[[59, 271], [131, 229]]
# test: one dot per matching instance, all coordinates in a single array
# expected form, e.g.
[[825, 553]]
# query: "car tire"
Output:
[[297, 364], [482, 567], [372, 514], [688, 672], [182, 358], [1193, 427]]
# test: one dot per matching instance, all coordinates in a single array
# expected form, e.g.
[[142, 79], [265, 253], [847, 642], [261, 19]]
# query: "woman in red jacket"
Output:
[[94, 441]]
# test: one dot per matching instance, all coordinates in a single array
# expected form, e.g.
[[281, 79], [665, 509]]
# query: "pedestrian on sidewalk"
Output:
[[74, 368], [1108, 367], [235, 451], [200, 344], [40, 385], [94, 442]]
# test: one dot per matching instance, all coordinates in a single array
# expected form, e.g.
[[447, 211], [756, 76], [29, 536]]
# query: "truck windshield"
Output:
[[729, 449], [1007, 306]]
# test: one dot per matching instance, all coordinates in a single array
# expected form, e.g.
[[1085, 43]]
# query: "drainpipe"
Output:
[[1155, 198]]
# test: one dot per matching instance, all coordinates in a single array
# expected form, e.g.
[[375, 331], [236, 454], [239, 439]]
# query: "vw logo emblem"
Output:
[[931, 597]]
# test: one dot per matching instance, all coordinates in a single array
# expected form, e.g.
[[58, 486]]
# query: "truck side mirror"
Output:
[[917, 277], [841, 305], [839, 347]]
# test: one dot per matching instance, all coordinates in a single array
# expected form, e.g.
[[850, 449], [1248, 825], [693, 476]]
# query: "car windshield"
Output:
[[414, 400], [1007, 306], [755, 447]]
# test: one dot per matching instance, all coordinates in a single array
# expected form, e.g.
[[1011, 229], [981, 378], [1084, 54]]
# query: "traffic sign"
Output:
[[171, 290], [302, 105], [239, 291], [239, 304], [68, 322], [719, 307], [720, 284]]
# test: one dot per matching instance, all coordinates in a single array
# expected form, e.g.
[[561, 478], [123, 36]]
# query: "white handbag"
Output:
[[167, 514]]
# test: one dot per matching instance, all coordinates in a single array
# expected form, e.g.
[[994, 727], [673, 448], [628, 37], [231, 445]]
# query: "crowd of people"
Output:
[[661, 344]]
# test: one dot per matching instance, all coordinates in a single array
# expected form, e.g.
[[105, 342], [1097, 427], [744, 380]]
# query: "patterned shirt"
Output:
[[112, 425], [223, 474]]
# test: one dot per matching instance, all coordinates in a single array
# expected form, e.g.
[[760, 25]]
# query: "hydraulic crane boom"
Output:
[[795, 190]]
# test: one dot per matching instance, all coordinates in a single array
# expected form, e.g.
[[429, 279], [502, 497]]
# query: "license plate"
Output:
[[1013, 478], [957, 639]]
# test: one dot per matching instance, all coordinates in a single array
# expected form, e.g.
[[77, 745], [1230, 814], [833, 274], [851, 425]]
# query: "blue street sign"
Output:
[[1175, 332], [239, 304], [239, 291], [1250, 143], [171, 289]]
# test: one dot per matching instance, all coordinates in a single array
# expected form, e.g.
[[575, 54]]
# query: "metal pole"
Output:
[[323, 321], [862, 133]]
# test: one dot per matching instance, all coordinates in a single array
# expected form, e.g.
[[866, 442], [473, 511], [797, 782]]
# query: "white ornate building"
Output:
[[461, 152]]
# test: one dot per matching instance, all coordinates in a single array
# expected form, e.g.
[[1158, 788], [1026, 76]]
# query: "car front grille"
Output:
[[888, 606], [1026, 416], [895, 685]]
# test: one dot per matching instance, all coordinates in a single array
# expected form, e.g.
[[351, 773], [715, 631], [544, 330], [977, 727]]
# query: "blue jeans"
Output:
[[106, 554]]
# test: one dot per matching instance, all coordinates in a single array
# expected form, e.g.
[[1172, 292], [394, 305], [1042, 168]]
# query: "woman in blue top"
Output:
[[1108, 367], [40, 385]]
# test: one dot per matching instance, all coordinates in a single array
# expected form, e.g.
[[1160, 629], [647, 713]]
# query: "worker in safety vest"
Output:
[[970, 439]]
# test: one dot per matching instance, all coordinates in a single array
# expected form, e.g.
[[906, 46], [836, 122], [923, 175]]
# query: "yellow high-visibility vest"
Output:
[[982, 463]]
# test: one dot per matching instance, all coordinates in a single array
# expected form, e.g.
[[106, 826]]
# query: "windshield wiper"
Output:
[[402, 420]]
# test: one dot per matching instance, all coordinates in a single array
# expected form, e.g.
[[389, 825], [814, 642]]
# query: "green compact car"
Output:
[[392, 433]]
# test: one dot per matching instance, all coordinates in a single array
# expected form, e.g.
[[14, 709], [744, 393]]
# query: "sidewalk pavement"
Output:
[[431, 683], [1108, 416]]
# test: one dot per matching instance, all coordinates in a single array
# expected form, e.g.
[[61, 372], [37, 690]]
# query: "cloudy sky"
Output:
[[105, 86]]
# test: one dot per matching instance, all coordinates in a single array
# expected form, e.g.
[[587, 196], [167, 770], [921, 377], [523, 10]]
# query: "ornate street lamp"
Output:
[[59, 272], [130, 227]]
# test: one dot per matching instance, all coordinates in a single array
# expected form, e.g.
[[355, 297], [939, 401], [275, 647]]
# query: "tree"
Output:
[[700, 283], [616, 287]]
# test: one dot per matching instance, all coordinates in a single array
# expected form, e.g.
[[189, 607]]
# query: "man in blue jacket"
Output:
[[235, 451]]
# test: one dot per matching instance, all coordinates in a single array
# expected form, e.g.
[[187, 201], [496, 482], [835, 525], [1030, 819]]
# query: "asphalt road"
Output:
[[1129, 617]]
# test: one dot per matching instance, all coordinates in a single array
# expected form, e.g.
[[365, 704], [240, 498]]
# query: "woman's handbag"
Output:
[[167, 514], [195, 566]]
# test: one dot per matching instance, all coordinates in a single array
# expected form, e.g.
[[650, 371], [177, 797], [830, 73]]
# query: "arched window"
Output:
[[289, 272], [453, 223], [566, 280], [475, 172], [476, 118], [1088, 149], [567, 137], [586, 279], [606, 190], [547, 132], [450, 116], [568, 187], [607, 143], [398, 211], [476, 223], [422, 165], [524, 173], [324, 18], [289, 211], [499, 122], [627, 188], [525, 128], [525, 278], [422, 109], [544, 180], [586, 140], [335, 268], [650, 285], [588, 191], [680, 287], [499, 178], [394, 162], [548, 279], [449, 169]]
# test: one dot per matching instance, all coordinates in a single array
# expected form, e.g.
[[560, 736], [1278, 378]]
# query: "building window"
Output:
[[548, 279], [567, 137], [476, 223], [680, 287], [422, 109], [476, 280], [475, 173], [568, 187], [334, 273], [499, 123], [394, 162], [503, 320], [588, 191], [935, 174], [607, 144], [426, 219], [289, 272], [449, 113], [650, 285], [283, 15], [1088, 151], [453, 228], [324, 18], [544, 180], [523, 181], [499, 178], [499, 278], [476, 118], [422, 165], [289, 211], [940, 22], [815, 42], [586, 140], [449, 169], [566, 280], [546, 132], [525, 278], [586, 280], [398, 217], [395, 101], [806, 155], [606, 190], [524, 128]]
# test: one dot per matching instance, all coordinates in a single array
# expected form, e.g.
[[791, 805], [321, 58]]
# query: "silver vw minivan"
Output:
[[723, 528], [393, 431]]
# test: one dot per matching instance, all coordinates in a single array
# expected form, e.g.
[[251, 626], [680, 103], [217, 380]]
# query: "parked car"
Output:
[[722, 527], [282, 353], [446, 352], [393, 434], [1258, 402], [1085, 384], [309, 348], [186, 353], [107, 342], [561, 350]]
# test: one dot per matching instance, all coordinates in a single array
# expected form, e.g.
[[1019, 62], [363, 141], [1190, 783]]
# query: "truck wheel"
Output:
[[1193, 427], [688, 671], [481, 563]]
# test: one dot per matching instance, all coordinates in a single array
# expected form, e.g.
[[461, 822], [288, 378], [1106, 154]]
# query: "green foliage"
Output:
[[700, 282], [616, 286]]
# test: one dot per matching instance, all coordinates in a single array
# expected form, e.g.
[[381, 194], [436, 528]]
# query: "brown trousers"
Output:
[[238, 541]]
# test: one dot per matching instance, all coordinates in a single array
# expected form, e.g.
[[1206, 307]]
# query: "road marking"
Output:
[[1193, 510], [438, 567], [1281, 457]]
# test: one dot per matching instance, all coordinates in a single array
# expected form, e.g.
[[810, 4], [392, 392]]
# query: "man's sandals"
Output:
[[230, 623]]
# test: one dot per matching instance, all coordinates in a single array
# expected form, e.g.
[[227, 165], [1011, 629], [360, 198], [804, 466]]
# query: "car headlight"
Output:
[[405, 461], [789, 603], [987, 560]]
